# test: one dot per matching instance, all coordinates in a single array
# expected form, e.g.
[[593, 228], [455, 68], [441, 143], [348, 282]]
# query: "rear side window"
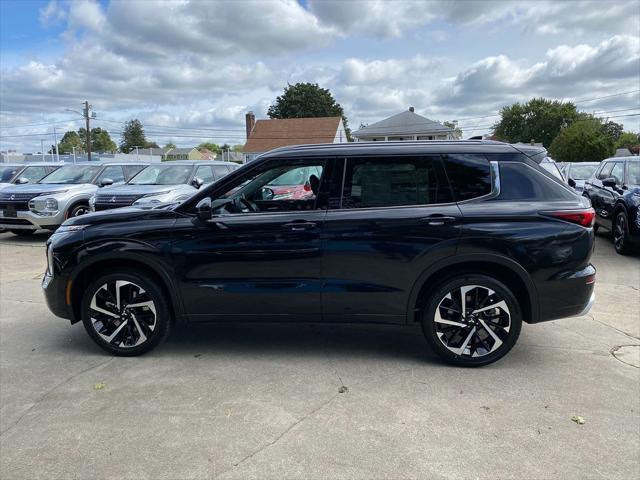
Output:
[[388, 182], [469, 174], [519, 182]]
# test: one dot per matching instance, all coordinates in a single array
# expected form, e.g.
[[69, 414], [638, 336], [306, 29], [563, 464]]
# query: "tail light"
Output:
[[584, 217]]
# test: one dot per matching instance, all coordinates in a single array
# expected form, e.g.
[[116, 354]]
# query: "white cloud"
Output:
[[51, 14]]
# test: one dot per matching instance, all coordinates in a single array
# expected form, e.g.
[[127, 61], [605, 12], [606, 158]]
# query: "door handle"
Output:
[[299, 226], [437, 220]]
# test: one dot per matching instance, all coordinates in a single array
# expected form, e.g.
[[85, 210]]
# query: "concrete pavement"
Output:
[[264, 401]]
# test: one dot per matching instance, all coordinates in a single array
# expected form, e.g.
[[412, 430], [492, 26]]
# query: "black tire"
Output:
[[23, 233], [154, 333], [482, 341], [77, 210], [620, 232]]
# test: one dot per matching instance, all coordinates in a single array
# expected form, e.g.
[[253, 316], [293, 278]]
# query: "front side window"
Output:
[[72, 174], [131, 170], [114, 173], [162, 175], [276, 186], [7, 173], [469, 174], [389, 181], [220, 171], [204, 173], [618, 172], [605, 171], [33, 174], [634, 173]]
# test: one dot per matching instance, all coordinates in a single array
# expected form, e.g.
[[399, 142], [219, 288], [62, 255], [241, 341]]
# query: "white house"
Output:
[[406, 125]]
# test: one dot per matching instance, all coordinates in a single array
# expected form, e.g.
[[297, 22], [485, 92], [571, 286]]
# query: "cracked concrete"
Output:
[[262, 401]]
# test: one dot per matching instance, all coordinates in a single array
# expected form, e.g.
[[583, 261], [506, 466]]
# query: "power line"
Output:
[[40, 124]]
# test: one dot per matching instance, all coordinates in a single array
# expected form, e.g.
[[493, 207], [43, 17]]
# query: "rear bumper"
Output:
[[567, 294]]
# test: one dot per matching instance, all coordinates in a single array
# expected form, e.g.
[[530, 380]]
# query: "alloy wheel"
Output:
[[472, 321], [619, 231], [123, 314], [82, 210]]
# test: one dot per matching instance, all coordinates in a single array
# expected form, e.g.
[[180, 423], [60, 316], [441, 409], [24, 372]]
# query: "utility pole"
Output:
[[55, 139], [86, 117], [42, 148], [137, 154], [73, 149]]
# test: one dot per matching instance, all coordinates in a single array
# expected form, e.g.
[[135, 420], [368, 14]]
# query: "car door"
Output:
[[595, 188], [610, 194], [391, 218], [254, 265]]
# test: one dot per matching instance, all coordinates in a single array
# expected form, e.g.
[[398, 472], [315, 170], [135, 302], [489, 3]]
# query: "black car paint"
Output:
[[607, 201], [359, 265]]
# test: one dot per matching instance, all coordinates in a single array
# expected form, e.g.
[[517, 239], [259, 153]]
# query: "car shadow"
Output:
[[38, 238]]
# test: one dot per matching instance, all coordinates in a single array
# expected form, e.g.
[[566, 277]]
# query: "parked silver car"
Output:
[[162, 183], [62, 194], [579, 172], [21, 173]]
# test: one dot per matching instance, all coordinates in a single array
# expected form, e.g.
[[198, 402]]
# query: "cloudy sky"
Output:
[[191, 69]]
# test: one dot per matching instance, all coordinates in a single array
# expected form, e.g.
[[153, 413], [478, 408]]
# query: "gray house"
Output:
[[406, 125]]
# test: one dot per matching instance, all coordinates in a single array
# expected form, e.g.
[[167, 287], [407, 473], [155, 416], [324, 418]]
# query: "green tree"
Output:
[[630, 141], [539, 120], [304, 100], [170, 145], [237, 148], [457, 133], [70, 140], [612, 129], [584, 141], [132, 136], [212, 147]]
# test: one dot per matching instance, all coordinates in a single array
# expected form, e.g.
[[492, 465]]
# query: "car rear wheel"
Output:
[[125, 313], [472, 320], [621, 233]]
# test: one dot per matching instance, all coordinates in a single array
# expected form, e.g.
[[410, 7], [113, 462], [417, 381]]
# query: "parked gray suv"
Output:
[[166, 182], [21, 173], [62, 194]]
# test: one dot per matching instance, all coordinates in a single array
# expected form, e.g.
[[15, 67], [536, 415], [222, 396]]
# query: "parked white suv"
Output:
[[62, 194]]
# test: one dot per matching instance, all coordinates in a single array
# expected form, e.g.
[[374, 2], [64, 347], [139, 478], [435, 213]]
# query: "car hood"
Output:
[[39, 188], [138, 189], [125, 214]]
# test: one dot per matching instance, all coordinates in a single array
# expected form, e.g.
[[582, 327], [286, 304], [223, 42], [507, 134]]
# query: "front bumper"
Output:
[[28, 220], [55, 294]]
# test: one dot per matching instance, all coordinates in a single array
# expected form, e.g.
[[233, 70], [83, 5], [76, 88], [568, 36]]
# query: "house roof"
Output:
[[154, 151], [269, 134], [403, 123], [181, 151]]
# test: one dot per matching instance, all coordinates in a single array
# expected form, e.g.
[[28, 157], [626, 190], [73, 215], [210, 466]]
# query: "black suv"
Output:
[[614, 191], [467, 239]]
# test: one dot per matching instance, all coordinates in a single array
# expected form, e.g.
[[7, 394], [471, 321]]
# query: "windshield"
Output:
[[8, 172], [634, 173], [582, 172], [72, 174], [162, 175]]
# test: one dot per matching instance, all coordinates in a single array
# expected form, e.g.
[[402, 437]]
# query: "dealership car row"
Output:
[[43, 195]]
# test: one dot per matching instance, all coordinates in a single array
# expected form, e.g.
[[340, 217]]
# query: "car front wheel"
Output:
[[472, 320], [621, 233], [125, 313]]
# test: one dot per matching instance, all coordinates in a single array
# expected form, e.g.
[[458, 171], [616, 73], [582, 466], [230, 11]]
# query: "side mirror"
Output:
[[571, 182], [266, 193], [197, 182], [609, 182], [204, 210], [22, 181], [105, 182]]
